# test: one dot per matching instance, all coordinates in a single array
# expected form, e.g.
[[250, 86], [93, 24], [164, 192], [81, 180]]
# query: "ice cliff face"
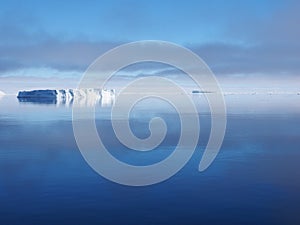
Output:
[[1, 94], [79, 97], [107, 97], [38, 94]]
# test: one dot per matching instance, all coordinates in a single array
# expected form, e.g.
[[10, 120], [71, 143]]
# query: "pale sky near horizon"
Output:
[[58, 40]]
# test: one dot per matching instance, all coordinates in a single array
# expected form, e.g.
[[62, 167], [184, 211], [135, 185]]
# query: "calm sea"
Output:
[[44, 179]]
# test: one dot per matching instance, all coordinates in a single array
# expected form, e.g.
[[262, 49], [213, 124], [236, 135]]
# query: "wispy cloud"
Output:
[[264, 44], [71, 55], [266, 58]]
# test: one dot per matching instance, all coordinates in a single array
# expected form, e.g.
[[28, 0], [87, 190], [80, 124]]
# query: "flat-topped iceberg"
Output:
[[81, 97], [37, 94]]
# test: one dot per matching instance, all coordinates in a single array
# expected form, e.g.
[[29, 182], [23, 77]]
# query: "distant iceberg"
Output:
[[199, 92], [1, 94], [78, 97], [107, 97], [37, 94]]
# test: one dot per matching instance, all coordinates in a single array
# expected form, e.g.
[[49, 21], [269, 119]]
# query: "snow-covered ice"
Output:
[[78, 97]]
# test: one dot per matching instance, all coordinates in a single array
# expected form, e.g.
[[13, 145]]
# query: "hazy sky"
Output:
[[61, 38]]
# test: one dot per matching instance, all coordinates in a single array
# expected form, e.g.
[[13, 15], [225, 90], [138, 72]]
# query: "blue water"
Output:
[[45, 180]]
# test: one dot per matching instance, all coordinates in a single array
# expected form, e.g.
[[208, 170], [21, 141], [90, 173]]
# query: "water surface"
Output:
[[45, 180]]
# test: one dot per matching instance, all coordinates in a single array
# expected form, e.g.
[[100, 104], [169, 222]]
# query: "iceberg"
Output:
[[37, 94], [107, 97], [1, 94], [78, 97]]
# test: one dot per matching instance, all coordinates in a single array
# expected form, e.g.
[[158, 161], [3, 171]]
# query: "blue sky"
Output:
[[178, 21], [61, 38]]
